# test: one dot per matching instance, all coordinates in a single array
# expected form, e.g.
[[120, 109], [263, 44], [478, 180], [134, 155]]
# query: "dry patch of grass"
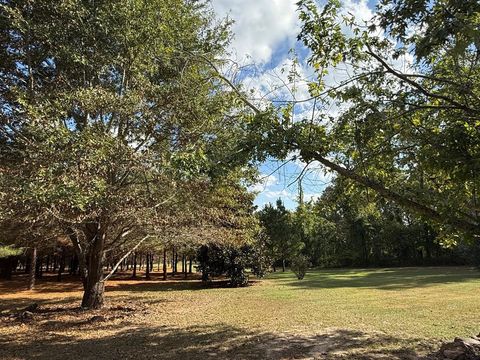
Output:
[[340, 314]]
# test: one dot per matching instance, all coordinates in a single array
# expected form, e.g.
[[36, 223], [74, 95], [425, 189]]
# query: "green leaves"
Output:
[[406, 113], [112, 118]]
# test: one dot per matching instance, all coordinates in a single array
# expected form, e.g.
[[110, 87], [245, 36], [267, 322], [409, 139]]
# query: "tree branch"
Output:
[[123, 258], [462, 224]]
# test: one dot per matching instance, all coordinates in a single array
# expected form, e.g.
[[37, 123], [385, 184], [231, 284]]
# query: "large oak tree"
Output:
[[113, 126]]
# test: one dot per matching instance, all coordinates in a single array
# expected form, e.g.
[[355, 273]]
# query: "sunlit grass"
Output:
[[438, 303], [352, 313]]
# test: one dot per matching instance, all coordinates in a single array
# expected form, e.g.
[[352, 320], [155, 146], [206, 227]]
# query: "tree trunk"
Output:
[[134, 275], [176, 262], [93, 296], [94, 287], [147, 268], [184, 266], [28, 261], [32, 267], [61, 265], [165, 264], [190, 265], [283, 265], [74, 265], [38, 268]]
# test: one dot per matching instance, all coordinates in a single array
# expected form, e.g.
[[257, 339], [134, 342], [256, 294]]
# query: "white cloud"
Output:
[[260, 27], [275, 84], [311, 197], [279, 194], [359, 9], [265, 182]]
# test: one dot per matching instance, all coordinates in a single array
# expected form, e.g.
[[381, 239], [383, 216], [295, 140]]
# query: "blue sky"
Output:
[[264, 31]]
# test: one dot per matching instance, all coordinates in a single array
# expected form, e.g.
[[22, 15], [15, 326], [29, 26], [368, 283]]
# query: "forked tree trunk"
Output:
[[94, 287], [31, 270]]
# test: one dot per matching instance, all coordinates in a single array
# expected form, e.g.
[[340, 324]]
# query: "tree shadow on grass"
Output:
[[383, 279], [120, 282], [206, 342], [170, 285], [47, 284], [19, 303]]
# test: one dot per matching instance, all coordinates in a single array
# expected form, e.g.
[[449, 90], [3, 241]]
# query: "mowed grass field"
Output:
[[394, 313]]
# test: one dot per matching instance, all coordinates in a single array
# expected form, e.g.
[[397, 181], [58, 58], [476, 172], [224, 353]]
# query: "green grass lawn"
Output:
[[414, 302], [393, 313]]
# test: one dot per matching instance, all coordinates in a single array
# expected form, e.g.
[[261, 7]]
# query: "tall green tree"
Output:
[[283, 241]]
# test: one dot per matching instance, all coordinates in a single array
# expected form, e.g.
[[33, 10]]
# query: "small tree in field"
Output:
[[299, 266]]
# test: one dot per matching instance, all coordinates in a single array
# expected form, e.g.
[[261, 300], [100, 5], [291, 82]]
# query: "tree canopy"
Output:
[[406, 120], [114, 126]]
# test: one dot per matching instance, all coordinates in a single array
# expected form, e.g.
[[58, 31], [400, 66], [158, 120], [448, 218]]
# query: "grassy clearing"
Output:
[[331, 314]]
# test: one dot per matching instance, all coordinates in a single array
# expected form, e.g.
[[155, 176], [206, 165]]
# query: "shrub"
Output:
[[299, 266], [231, 261]]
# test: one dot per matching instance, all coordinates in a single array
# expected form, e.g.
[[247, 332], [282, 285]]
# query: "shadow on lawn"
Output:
[[11, 305], [120, 282], [383, 279], [171, 285], [208, 342]]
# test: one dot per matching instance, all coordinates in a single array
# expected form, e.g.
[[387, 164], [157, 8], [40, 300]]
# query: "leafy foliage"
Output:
[[406, 119], [299, 266], [232, 261], [351, 226], [6, 251], [113, 125], [281, 232]]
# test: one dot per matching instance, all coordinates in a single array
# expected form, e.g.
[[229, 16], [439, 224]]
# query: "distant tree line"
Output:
[[350, 226], [61, 259]]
